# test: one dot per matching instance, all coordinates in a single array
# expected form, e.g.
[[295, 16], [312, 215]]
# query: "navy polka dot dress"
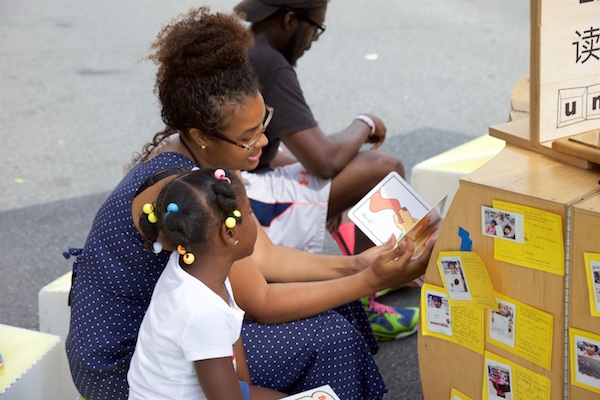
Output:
[[113, 279]]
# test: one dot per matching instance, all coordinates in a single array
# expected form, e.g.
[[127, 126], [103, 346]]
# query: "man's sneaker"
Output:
[[390, 323]]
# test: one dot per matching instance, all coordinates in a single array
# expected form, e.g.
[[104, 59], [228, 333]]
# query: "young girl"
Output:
[[189, 344]]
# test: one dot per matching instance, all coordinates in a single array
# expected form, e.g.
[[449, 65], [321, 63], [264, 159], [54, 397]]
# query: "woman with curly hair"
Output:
[[294, 340]]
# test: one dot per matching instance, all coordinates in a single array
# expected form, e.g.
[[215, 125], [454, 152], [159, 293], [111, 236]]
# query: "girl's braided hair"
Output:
[[203, 201]]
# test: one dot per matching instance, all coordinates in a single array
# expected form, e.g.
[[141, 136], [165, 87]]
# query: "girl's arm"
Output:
[[256, 392], [286, 264], [218, 379], [277, 263], [242, 370], [284, 302]]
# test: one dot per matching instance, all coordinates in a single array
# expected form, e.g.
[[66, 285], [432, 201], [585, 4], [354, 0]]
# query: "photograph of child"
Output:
[[499, 381], [438, 313], [501, 224], [595, 269], [588, 361], [502, 323], [454, 278]]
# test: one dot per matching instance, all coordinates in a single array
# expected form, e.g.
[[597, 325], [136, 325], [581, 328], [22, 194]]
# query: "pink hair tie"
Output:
[[220, 174]]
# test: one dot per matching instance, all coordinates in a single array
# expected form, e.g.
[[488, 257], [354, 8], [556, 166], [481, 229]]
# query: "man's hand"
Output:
[[377, 137]]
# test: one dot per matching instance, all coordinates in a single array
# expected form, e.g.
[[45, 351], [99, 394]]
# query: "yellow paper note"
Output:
[[456, 324], [466, 279], [592, 265], [585, 359], [506, 380], [458, 395], [522, 330], [543, 246]]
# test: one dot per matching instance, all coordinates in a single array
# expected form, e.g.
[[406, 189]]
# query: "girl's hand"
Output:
[[393, 266], [367, 257]]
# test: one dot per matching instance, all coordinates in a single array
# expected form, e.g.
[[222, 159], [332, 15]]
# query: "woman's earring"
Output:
[[203, 147]]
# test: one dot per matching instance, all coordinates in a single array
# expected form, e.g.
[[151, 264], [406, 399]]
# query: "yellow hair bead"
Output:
[[181, 249], [230, 222], [189, 258], [148, 208], [237, 213], [152, 218]]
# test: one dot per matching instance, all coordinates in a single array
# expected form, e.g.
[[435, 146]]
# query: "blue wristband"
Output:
[[245, 390]]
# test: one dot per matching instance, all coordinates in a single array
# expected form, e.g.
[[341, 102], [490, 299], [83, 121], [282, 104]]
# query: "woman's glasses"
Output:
[[247, 146]]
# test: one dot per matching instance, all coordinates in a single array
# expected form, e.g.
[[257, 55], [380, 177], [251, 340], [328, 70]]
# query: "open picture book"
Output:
[[324, 392], [393, 207]]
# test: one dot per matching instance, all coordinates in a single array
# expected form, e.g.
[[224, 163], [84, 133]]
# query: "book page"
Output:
[[428, 227], [324, 392], [392, 207]]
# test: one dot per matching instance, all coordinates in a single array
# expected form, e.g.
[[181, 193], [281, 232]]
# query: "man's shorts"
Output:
[[291, 205]]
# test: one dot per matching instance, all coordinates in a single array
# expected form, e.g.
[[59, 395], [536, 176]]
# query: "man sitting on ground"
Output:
[[298, 196]]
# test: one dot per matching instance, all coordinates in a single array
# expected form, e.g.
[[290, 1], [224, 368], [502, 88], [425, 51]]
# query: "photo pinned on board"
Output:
[[455, 280], [587, 367], [595, 273], [499, 378], [502, 224], [438, 313], [502, 323]]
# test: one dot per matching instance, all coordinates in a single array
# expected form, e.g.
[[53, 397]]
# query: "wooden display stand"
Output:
[[584, 238], [530, 179], [543, 169]]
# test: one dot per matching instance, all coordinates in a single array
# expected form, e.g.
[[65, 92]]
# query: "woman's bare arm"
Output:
[[284, 302]]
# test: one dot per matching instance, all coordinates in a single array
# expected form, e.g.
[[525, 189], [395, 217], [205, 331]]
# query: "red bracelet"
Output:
[[367, 120]]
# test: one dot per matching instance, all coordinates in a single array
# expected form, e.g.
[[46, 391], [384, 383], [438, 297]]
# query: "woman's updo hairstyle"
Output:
[[203, 69], [203, 203]]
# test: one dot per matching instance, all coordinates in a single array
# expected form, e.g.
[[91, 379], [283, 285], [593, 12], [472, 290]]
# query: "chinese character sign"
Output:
[[567, 73]]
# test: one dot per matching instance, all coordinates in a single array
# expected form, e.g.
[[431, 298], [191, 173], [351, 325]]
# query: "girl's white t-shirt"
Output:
[[185, 321]]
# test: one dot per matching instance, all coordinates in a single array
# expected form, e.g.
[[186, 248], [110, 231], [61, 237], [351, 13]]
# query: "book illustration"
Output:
[[402, 217], [324, 392], [428, 227], [392, 207]]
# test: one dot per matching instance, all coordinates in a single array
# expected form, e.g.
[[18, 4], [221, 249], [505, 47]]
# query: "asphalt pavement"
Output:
[[76, 101]]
